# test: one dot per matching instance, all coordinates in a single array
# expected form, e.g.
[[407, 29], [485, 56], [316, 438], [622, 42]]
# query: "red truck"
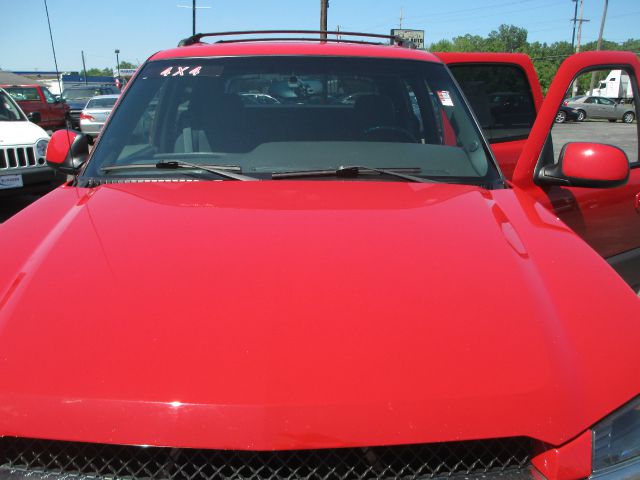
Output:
[[339, 285], [54, 112]]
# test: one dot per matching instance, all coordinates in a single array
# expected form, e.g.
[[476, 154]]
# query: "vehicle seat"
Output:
[[219, 124], [374, 111]]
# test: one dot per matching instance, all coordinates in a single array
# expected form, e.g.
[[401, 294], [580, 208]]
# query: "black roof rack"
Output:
[[396, 40]]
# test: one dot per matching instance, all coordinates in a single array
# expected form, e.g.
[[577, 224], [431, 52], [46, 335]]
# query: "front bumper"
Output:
[[34, 180], [74, 115]]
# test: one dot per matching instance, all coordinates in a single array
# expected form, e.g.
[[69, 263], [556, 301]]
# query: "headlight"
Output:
[[41, 147], [616, 441]]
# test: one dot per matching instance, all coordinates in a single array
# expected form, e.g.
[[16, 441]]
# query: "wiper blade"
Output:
[[353, 171], [225, 171]]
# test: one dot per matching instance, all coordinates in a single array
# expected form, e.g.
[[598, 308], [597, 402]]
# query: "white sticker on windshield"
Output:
[[445, 98], [181, 71]]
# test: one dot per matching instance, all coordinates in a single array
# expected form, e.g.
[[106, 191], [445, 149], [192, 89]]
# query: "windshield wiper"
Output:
[[222, 170], [353, 171]]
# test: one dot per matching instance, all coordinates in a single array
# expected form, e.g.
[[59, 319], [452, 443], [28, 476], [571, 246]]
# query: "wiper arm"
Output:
[[353, 171], [225, 171]]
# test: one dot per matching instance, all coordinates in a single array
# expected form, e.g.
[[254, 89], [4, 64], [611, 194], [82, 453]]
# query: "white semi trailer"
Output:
[[617, 86]]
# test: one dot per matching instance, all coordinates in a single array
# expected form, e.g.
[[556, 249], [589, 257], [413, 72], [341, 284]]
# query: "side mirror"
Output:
[[592, 165], [34, 117], [67, 151]]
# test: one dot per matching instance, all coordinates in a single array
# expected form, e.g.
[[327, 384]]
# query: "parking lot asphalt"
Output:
[[623, 135], [9, 206]]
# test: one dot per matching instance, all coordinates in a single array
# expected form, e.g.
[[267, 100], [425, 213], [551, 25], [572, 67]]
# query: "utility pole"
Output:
[[580, 21], [193, 8], [599, 45], [324, 5], [194, 17], [575, 20], [84, 67]]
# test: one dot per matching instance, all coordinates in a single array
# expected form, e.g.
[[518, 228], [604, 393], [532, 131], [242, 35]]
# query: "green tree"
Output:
[[125, 64], [546, 57], [508, 38]]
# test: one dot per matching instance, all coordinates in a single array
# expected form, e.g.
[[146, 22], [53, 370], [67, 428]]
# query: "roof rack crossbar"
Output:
[[199, 36], [297, 39]]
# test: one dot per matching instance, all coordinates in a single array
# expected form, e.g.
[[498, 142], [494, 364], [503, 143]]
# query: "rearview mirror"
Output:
[[583, 164], [67, 151], [34, 117]]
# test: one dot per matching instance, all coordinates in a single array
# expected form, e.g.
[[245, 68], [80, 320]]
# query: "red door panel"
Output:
[[506, 150], [606, 218]]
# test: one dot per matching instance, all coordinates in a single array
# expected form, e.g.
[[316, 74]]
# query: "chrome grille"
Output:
[[504, 459], [19, 157]]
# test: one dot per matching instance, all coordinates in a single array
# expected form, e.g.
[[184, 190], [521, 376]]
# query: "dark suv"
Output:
[[77, 98]]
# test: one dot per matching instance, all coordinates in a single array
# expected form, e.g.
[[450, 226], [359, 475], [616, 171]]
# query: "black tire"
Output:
[[582, 115], [612, 120], [628, 117], [561, 117]]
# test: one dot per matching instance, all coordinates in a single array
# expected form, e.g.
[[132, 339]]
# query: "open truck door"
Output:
[[606, 214], [505, 95]]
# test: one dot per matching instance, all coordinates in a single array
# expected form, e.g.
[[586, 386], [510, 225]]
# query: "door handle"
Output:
[[636, 202]]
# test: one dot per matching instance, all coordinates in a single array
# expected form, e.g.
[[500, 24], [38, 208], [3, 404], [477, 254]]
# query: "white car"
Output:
[[95, 114], [23, 146]]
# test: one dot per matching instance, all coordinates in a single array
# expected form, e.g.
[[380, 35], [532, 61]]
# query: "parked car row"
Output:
[[25, 112], [588, 106], [78, 97], [53, 112]]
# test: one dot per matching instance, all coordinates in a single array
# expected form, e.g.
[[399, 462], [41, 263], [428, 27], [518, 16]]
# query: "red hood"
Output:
[[273, 315]]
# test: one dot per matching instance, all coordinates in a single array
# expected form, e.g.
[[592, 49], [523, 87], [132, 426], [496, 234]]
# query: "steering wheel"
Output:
[[388, 133]]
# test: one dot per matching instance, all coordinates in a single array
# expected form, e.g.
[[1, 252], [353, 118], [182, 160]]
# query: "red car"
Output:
[[238, 290], [54, 112]]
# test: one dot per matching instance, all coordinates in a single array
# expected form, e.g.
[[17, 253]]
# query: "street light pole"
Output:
[[118, 61]]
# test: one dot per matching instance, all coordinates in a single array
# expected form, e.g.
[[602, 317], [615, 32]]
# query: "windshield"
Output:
[[9, 111], [108, 102], [267, 115], [80, 93]]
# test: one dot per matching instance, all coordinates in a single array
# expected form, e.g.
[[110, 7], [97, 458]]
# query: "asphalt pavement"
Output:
[[623, 135], [9, 206]]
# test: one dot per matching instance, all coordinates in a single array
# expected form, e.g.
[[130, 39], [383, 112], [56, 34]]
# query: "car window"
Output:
[[322, 113], [613, 126], [101, 103], [9, 111], [23, 93], [80, 93], [48, 96], [501, 99]]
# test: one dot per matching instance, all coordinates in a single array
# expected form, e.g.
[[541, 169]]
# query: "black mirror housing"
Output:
[[67, 151], [34, 117]]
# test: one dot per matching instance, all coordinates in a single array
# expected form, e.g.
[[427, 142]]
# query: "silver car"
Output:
[[95, 113], [601, 107]]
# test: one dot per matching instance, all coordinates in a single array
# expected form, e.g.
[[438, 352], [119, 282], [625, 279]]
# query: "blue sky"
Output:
[[141, 27]]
